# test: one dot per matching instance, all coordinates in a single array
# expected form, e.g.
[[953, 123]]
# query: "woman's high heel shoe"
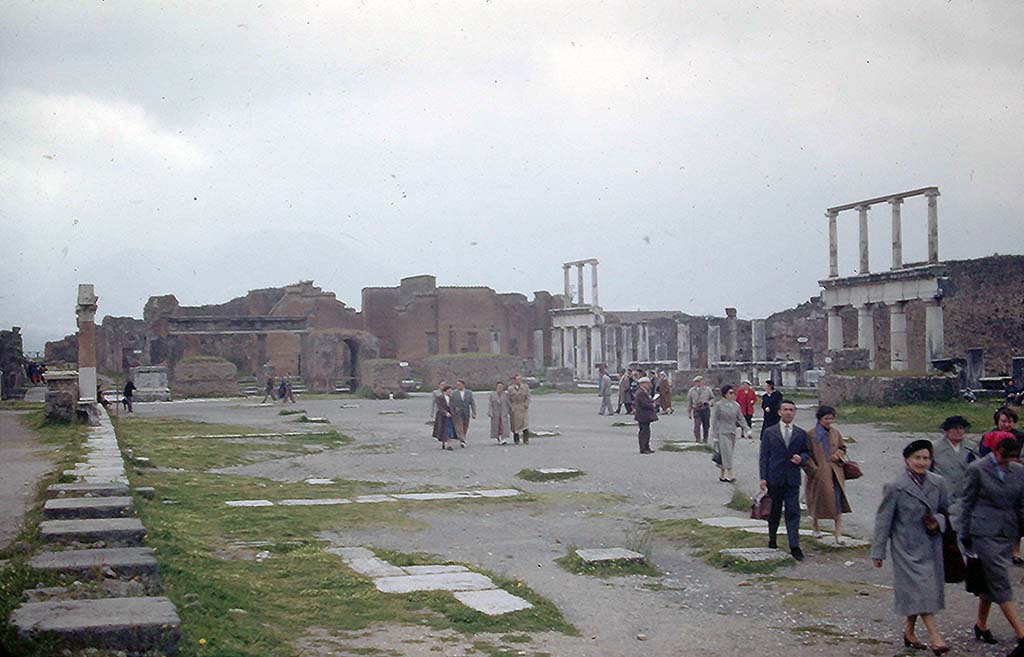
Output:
[[984, 635], [916, 645], [940, 650]]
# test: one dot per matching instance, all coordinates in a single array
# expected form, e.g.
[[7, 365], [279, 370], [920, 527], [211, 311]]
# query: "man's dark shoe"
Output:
[[797, 553], [772, 545]]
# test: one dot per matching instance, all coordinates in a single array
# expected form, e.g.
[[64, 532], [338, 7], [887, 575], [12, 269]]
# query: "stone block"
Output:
[[609, 555], [249, 503], [762, 529], [147, 492], [107, 489], [319, 482], [499, 492], [755, 555], [327, 501], [60, 406], [131, 624], [374, 567], [423, 497], [847, 542], [151, 383], [373, 499], [87, 507], [115, 532], [493, 602], [438, 582], [126, 562]]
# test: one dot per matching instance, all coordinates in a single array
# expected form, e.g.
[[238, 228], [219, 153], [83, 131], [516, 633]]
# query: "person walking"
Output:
[[268, 390], [604, 391], [1005, 419], [497, 410], [909, 520], [623, 392], [289, 393], [726, 417], [665, 394], [699, 399], [444, 425], [826, 481], [950, 458], [991, 523], [519, 410], [746, 397], [465, 409], [437, 392], [784, 450], [126, 398], [770, 404], [646, 412]]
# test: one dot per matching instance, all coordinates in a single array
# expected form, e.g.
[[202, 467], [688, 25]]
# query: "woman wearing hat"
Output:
[[909, 519], [726, 417], [826, 480], [991, 523], [952, 456]]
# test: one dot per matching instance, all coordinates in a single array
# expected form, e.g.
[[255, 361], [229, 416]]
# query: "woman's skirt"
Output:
[[996, 556]]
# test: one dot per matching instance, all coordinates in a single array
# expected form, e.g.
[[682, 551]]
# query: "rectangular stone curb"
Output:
[[434, 570], [329, 501], [244, 503], [87, 507], [438, 582], [552, 471], [115, 532], [109, 489], [126, 562], [610, 555], [493, 602], [132, 624]]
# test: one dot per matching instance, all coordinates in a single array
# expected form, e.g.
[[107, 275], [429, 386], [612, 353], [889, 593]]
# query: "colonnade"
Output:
[[898, 360]]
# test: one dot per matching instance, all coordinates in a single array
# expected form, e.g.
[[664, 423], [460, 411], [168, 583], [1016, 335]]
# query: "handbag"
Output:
[[716, 456], [975, 577], [952, 558], [851, 470], [761, 507]]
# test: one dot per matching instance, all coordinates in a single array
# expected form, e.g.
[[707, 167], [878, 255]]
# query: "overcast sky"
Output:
[[205, 149]]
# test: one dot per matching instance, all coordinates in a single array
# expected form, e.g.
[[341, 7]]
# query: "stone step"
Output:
[[68, 508], [115, 532], [109, 489], [133, 624], [125, 562]]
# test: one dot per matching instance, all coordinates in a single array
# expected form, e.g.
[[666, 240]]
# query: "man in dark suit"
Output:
[[646, 412], [784, 448], [465, 408]]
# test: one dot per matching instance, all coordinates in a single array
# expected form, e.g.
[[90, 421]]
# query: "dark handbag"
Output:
[[761, 507], [975, 578], [952, 558], [851, 470]]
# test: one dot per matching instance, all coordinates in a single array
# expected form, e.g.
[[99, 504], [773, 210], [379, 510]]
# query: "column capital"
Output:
[[831, 214], [896, 201], [932, 193], [863, 208]]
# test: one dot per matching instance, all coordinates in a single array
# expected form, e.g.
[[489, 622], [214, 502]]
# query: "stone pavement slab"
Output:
[[374, 567], [763, 530], [351, 552], [755, 554], [319, 482], [247, 503], [87, 507], [115, 532], [501, 492], [493, 602], [434, 570], [423, 497], [557, 470], [327, 501], [732, 522], [126, 562], [609, 555], [439, 582], [373, 499], [848, 542], [135, 624]]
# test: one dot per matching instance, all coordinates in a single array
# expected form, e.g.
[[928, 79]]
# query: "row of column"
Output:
[[933, 327], [579, 282], [897, 234]]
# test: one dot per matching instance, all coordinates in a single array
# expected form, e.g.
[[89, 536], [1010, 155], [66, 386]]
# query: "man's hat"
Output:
[[955, 421], [698, 378], [643, 379]]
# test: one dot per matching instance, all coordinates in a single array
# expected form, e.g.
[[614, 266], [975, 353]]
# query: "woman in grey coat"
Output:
[[498, 409], [726, 417], [909, 519]]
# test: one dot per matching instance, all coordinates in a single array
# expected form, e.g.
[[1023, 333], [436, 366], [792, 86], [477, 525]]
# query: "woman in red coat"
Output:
[[746, 397]]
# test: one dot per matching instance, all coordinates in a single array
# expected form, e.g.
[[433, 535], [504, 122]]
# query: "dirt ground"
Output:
[[834, 603], [22, 464]]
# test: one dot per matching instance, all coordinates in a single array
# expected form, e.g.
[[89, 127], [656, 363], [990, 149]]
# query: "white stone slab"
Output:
[[373, 499], [249, 503], [434, 570], [609, 555], [493, 602], [543, 434], [320, 482], [763, 530], [439, 582], [500, 492], [847, 542], [326, 501], [732, 522], [374, 567], [421, 497], [351, 552], [755, 554], [557, 470]]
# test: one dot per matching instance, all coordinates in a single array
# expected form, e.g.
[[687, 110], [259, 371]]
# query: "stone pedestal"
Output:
[[151, 383], [61, 395], [974, 369], [86, 311]]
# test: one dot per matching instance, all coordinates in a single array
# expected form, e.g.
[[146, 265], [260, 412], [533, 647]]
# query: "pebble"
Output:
[[641, 637]]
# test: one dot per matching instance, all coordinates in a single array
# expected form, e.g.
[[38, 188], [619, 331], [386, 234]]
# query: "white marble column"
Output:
[[934, 333], [898, 336], [866, 332], [833, 243], [683, 359], [568, 288], [865, 263], [643, 345], [835, 329], [933, 226], [556, 347], [714, 344], [897, 234], [582, 353], [579, 281], [596, 350], [593, 284], [758, 340], [568, 349], [611, 345]]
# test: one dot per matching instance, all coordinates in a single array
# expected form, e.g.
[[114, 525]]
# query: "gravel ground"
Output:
[[22, 464], [692, 609]]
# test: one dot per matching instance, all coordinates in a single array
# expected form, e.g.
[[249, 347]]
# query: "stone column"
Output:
[[714, 344], [865, 264], [898, 336], [627, 345], [579, 281], [556, 347], [835, 329], [683, 358], [806, 363], [866, 332], [86, 311], [975, 368], [538, 348], [593, 283], [610, 346], [934, 333], [758, 340], [833, 244], [730, 334], [897, 234], [583, 369], [933, 226], [643, 346], [596, 350], [568, 349], [568, 289]]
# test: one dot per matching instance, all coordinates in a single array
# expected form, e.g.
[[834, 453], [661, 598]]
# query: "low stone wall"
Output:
[[381, 375], [480, 372], [837, 389], [205, 377]]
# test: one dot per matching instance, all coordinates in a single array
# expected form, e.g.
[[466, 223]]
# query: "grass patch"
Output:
[[20, 405], [291, 411], [530, 474], [923, 418], [623, 424], [154, 438], [574, 564], [64, 444], [680, 446]]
